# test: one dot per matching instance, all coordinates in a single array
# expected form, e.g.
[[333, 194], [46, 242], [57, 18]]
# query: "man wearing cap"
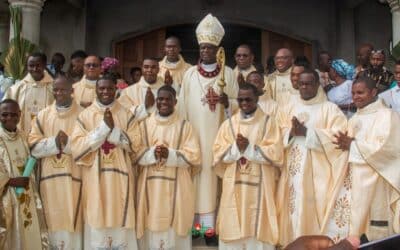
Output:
[[200, 102]]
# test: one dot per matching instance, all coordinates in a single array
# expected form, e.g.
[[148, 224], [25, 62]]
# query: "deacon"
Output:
[[173, 65], [140, 97], [247, 149], [267, 105], [33, 93], [84, 90], [23, 224], [278, 83], [104, 137], [367, 201], [244, 59], [165, 208], [60, 179], [309, 126], [201, 102]]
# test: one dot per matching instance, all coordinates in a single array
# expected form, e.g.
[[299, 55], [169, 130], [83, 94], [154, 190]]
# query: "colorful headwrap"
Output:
[[108, 63], [343, 68]]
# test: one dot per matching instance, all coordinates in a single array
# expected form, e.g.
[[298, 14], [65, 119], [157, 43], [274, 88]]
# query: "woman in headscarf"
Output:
[[342, 74]]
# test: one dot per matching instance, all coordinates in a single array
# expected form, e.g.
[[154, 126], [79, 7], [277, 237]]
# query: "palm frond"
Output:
[[15, 56]]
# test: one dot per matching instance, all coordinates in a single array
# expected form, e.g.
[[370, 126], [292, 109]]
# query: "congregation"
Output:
[[247, 158]]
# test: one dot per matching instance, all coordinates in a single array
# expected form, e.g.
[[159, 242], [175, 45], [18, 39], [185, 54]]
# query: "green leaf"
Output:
[[16, 54]]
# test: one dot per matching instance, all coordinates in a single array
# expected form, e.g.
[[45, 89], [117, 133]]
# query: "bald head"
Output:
[[283, 59]]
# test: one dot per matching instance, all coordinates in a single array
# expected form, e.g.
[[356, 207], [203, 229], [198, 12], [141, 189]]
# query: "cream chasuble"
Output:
[[60, 182], [32, 97], [166, 198], [279, 86], [368, 197], [311, 167], [247, 208], [244, 72], [193, 106], [22, 221], [268, 106], [177, 69], [108, 180], [135, 95], [85, 91]]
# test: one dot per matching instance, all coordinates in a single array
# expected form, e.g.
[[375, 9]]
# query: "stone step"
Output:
[[199, 244]]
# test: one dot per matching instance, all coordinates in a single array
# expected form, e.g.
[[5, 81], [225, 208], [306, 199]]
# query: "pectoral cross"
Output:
[[211, 98]]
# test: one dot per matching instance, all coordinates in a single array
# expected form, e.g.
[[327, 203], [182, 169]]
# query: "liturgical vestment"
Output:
[[60, 182], [367, 198], [311, 164], [247, 214], [166, 198], [176, 69], [107, 175], [195, 105], [85, 91], [32, 96], [22, 221]]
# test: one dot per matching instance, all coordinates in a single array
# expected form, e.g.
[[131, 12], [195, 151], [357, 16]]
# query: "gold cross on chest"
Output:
[[211, 98]]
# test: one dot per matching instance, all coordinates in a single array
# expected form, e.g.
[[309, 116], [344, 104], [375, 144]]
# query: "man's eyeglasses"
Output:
[[92, 65]]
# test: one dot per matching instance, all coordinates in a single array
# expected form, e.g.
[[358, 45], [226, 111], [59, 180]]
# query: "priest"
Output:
[[247, 149], [311, 159], [267, 105], [140, 97], [22, 222], [368, 197], [33, 93], [244, 59], [201, 102], [60, 182], [278, 83], [165, 208], [173, 66], [103, 141], [84, 90]]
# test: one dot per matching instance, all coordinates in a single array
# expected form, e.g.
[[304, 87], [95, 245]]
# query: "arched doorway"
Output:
[[132, 50]]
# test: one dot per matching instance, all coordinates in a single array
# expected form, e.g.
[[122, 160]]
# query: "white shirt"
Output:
[[341, 94], [391, 98]]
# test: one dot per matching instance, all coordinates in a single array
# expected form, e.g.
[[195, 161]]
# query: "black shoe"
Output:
[[211, 241]]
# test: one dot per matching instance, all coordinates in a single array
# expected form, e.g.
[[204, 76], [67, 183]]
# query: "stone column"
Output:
[[395, 7], [30, 10], [4, 30]]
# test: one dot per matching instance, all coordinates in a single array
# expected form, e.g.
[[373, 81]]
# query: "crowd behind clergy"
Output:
[[119, 154]]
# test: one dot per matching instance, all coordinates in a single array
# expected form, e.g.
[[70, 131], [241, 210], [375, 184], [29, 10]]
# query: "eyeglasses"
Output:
[[247, 99], [92, 65]]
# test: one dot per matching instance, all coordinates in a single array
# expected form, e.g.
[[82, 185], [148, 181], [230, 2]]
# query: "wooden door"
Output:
[[132, 51], [271, 42]]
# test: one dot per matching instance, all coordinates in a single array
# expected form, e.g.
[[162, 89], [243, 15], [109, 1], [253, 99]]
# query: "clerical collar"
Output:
[[247, 116], [101, 105], [91, 81], [208, 70], [62, 108], [171, 63]]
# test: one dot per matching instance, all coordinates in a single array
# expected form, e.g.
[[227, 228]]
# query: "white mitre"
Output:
[[210, 30]]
